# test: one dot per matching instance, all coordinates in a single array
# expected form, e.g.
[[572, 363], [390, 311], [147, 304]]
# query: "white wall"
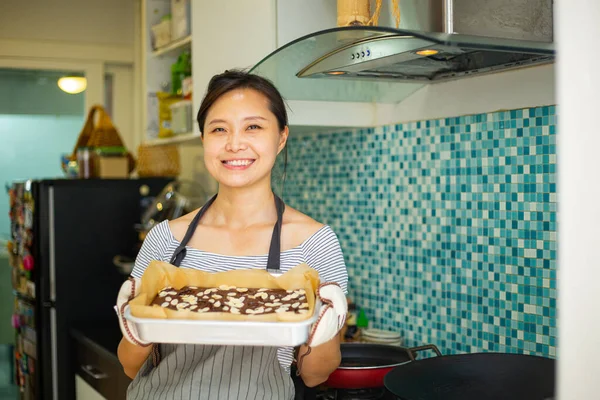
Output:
[[78, 21], [578, 145]]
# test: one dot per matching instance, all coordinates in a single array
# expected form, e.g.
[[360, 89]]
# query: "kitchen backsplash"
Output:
[[448, 226]]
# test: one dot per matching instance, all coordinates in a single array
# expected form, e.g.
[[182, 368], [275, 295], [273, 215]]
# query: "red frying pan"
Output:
[[364, 365]]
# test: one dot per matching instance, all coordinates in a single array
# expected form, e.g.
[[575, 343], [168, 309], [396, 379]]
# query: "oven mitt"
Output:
[[129, 289], [332, 315]]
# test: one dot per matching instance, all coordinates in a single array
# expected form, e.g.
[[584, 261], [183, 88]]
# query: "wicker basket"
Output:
[[160, 161], [100, 134]]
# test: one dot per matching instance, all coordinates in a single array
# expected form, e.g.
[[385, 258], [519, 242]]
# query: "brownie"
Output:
[[236, 300]]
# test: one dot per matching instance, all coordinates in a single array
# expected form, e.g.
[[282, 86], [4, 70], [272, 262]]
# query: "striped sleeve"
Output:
[[323, 252], [154, 247]]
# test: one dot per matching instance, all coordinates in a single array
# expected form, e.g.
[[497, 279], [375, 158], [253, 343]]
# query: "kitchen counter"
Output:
[[95, 359], [103, 338]]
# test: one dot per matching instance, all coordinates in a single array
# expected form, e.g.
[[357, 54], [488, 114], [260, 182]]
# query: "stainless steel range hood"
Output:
[[385, 65]]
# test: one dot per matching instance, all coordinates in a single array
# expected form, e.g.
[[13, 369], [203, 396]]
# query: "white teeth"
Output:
[[238, 163]]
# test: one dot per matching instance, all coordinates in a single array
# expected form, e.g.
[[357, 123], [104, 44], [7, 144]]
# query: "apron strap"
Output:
[[274, 260], [180, 251]]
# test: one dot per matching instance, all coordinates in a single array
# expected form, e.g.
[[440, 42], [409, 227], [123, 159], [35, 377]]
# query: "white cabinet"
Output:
[[84, 391]]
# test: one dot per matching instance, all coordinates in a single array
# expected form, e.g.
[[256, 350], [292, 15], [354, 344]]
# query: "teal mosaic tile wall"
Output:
[[448, 226]]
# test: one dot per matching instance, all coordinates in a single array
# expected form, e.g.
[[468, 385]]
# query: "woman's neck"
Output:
[[240, 208]]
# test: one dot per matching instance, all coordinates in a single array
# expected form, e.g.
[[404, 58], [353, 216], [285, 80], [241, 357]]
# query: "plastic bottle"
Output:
[[361, 321], [179, 71]]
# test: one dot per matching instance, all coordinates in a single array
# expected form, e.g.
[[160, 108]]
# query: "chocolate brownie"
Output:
[[236, 300]]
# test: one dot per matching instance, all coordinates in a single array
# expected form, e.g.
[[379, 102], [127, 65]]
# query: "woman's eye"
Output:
[[218, 130], [253, 127]]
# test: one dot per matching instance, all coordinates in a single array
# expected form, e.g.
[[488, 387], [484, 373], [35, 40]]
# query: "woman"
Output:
[[244, 127]]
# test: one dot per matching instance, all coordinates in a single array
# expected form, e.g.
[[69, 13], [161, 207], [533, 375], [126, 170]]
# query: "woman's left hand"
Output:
[[332, 315]]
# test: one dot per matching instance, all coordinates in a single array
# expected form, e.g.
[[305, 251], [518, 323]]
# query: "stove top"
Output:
[[355, 394]]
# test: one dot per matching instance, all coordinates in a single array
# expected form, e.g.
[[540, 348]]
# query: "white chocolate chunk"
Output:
[[217, 304], [242, 290], [174, 302], [165, 304]]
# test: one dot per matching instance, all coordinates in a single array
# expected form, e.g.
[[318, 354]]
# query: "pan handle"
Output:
[[414, 350]]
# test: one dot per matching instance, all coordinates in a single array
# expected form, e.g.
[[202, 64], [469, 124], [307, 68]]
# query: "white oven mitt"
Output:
[[332, 315], [129, 289]]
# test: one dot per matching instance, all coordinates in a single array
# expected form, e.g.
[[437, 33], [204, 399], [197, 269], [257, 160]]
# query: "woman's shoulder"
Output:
[[300, 226], [180, 225]]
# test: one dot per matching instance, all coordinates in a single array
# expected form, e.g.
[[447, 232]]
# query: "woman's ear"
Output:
[[283, 136]]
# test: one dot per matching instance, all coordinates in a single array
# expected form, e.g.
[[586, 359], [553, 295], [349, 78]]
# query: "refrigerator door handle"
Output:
[[52, 242], [54, 352]]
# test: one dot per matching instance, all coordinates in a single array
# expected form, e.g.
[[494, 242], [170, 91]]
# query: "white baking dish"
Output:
[[223, 332]]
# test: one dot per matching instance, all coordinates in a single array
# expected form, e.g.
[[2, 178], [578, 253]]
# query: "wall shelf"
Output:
[[174, 47], [183, 138]]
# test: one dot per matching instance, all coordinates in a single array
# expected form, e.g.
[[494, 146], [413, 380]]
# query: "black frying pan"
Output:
[[479, 376]]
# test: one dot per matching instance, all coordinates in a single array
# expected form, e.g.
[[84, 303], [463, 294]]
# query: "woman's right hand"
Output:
[[129, 290], [132, 351]]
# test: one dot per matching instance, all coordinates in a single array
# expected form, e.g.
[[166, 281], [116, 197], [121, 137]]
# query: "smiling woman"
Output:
[[243, 122]]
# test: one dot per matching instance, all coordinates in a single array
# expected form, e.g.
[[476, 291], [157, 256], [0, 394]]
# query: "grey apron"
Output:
[[177, 371]]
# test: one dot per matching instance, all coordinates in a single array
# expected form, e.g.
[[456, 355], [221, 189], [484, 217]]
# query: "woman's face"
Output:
[[241, 139]]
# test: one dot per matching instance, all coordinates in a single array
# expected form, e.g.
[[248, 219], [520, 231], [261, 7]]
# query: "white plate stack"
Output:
[[381, 337]]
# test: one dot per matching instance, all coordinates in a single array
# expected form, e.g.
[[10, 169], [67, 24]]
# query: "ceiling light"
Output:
[[72, 84], [336, 72]]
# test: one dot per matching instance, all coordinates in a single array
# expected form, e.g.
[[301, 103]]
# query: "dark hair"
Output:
[[237, 79]]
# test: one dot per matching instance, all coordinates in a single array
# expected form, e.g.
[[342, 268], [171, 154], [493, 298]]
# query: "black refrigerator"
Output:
[[65, 234]]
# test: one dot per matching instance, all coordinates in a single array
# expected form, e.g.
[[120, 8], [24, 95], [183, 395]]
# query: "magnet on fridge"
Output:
[[28, 262], [16, 321]]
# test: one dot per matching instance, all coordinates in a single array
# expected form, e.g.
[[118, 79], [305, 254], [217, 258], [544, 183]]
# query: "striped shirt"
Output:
[[321, 251]]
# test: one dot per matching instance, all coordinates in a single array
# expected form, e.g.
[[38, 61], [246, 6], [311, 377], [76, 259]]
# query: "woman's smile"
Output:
[[238, 163]]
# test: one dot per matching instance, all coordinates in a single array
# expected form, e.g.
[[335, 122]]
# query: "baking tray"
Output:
[[243, 333]]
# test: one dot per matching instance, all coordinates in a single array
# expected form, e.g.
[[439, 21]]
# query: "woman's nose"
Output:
[[235, 142]]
